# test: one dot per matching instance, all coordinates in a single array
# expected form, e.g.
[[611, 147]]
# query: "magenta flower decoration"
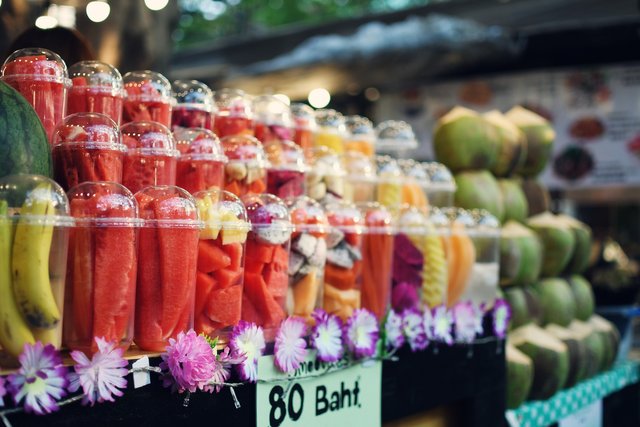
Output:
[[361, 333], [326, 336], [222, 369], [41, 379], [393, 330], [442, 323], [501, 317], [427, 323], [467, 317], [102, 377], [190, 362], [413, 329], [3, 392], [290, 347], [248, 339]]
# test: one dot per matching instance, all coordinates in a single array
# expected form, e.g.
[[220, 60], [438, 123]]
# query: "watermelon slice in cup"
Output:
[[195, 107], [96, 88], [147, 98], [234, 115], [201, 163]]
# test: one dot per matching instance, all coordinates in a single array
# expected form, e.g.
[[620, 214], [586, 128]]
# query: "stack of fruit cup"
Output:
[[246, 169], [272, 119], [390, 179], [304, 125], [234, 115], [441, 186], [194, 106], [330, 130], [395, 137], [221, 249], [360, 135], [343, 269], [101, 266], [377, 257], [34, 231], [287, 168], [147, 98], [151, 155], [201, 162], [41, 77], [267, 262], [325, 179], [415, 184], [360, 185], [307, 257], [87, 147], [96, 88], [439, 273], [168, 248]]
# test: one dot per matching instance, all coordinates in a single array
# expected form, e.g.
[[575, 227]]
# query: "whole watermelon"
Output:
[[24, 147]]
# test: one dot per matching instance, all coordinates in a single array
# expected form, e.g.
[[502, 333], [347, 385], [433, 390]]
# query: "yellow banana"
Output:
[[48, 336], [30, 262], [14, 332]]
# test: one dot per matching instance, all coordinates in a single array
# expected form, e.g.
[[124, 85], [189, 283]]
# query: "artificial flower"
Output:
[[290, 347], [326, 336], [103, 376], [393, 330], [222, 369], [248, 339], [3, 392], [413, 329], [427, 323], [467, 317], [361, 333], [190, 362], [41, 379], [501, 317], [442, 322]]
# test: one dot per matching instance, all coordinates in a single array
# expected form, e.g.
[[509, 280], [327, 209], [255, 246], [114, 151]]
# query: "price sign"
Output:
[[589, 416], [339, 397]]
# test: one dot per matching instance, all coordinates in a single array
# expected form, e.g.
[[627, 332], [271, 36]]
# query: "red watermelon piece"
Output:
[[249, 312], [205, 283], [211, 257], [224, 305], [148, 331], [234, 251], [277, 279], [227, 278], [259, 252]]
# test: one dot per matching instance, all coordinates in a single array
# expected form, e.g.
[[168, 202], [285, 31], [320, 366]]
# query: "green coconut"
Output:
[[535, 310], [582, 249], [515, 203], [583, 296], [557, 242], [577, 352], [537, 195], [479, 190], [557, 299], [519, 376], [594, 346], [464, 140], [610, 337], [540, 136], [513, 144], [518, 303], [520, 255]]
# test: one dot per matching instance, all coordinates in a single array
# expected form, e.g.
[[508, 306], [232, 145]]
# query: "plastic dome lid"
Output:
[[412, 220], [377, 218], [345, 216], [330, 121], [88, 130], [233, 103], [198, 144], [270, 110], [146, 86], [307, 215], [269, 216], [388, 169], [359, 168], [440, 177], [285, 155], [35, 63], [394, 135], [34, 199], [221, 210], [359, 128], [148, 138], [323, 161], [474, 222], [244, 148], [412, 169], [304, 116], [193, 94], [167, 206], [97, 75], [103, 204]]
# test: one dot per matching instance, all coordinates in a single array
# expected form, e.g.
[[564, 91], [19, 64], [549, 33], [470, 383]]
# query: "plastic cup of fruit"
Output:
[[101, 266], [395, 137], [415, 183], [266, 278], [97, 87], [441, 187], [360, 135], [201, 163], [147, 98], [194, 106], [246, 168], [34, 230], [41, 77], [361, 181], [304, 125], [151, 155], [166, 280], [325, 179], [390, 180], [221, 258], [330, 131], [87, 147], [286, 173], [272, 120], [343, 268], [234, 116], [307, 257]]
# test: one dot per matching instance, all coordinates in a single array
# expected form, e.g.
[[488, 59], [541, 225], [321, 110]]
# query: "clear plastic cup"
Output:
[[441, 186], [151, 155], [147, 98], [390, 180], [102, 266], [34, 231], [325, 179], [308, 256], [97, 87], [439, 250], [246, 169], [395, 137], [361, 181], [201, 163], [330, 130], [360, 135], [166, 281], [87, 147], [194, 107], [272, 120], [286, 173], [266, 278], [415, 183], [304, 125], [221, 258], [343, 268], [41, 77], [234, 116]]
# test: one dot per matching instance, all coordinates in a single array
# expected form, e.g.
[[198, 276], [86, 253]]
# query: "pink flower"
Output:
[[361, 333], [222, 370], [442, 323], [501, 317], [3, 392], [326, 336], [41, 379], [103, 376], [290, 347], [393, 330], [248, 339], [190, 362], [413, 329], [468, 320]]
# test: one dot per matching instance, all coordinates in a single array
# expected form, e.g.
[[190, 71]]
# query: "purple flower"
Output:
[[190, 362], [393, 330], [361, 333], [404, 295], [41, 379], [413, 329], [102, 377], [442, 323], [326, 336], [290, 348], [248, 339], [3, 392], [468, 320], [222, 369], [501, 317]]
